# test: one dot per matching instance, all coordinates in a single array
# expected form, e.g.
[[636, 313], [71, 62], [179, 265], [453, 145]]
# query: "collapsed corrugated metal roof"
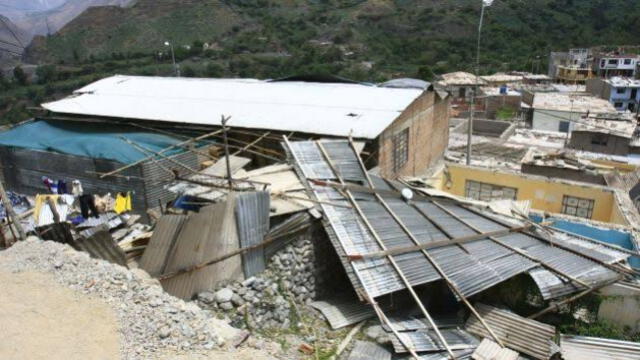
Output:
[[329, 108], [524, 335], [472, 267], [582, 347]]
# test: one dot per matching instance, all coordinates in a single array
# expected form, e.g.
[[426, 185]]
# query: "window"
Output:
[[563, 126], [618, 105], [487, 192], [621, 90], [613, 62], [599, 139], [603, 63], [627, 61], [576, 206], [400, 149]]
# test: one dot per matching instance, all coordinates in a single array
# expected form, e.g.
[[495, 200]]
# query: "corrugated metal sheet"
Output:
[[362, 111], [523, 335], [489, 350], [582, 348], [412, 323], [155, 256], [343, 312], [204, 235], [294, 227], [23, 170], [427, 341], [100, 245], [364, 350], [474, 267], [252, 220]]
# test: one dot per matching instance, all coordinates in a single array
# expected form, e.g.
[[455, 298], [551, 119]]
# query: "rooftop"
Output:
[[333, 109], [623, 82], [499, 77], [460, 78], [572, 103], [537, 77]]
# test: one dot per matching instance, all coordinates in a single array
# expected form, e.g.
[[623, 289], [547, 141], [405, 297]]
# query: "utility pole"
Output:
[[225, 129], [485, 3], [176, 68]]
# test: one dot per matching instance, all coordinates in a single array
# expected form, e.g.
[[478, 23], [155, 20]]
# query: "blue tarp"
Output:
[[97, 141], [614, 237]]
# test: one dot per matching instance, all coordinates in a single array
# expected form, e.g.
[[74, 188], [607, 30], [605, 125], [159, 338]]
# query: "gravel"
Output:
[[152, 322]]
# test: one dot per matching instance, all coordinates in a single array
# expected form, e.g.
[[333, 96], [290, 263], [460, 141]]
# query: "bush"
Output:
[[46, 74], [20, 76]]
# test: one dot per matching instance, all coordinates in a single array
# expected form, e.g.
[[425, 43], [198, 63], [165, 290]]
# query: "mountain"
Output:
[[385, 36], [42, 17], [12, 41]]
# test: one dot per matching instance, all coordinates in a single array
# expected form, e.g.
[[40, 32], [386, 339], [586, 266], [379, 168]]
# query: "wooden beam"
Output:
[[11, 214]]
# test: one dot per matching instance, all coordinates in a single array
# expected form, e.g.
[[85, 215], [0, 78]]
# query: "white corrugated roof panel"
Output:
[[316, 108]]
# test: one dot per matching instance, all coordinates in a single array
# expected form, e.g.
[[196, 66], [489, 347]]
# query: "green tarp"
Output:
[[98, 141]]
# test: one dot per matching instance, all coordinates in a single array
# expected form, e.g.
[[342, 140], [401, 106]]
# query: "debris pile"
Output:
[[265, 301], [152, 321]]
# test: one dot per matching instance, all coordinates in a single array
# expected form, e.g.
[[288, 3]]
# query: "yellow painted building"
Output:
[[550, 195]]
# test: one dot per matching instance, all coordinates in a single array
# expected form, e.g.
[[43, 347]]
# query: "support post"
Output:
[[225, 131], [11, 214]]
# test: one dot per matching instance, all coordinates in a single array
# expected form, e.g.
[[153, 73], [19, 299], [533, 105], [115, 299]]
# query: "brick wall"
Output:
[[428, 121]]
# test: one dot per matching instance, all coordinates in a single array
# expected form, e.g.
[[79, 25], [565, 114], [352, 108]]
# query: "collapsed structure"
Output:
[[305, 178]]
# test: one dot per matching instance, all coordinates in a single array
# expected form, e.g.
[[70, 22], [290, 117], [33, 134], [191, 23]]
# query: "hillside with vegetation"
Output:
[[372, 40]]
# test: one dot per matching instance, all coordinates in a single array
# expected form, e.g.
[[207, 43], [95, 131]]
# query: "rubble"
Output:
[[265, 301], [152, 321]]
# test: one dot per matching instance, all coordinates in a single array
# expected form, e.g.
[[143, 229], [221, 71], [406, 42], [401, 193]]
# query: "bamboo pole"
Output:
[[199, 138], [225, 129]]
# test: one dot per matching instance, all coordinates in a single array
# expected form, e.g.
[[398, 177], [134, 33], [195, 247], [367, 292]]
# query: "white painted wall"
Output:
[[548, 120], [621, 305]]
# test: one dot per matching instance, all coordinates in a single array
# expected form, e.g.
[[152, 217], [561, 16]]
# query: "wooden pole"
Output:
[[225, 130], [246, 147], [199, 138], [10, 212]]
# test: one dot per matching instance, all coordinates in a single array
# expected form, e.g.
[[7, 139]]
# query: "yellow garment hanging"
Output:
[[40, 201], [123, 203]]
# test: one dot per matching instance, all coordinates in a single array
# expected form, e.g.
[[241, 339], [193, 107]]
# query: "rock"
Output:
[[207, 297], [224, 295], [164, 332], [374, 332], [237, 300], [226, 306]]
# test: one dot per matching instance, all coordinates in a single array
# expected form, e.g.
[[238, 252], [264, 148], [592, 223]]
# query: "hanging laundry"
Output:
[[76, 188], [87, 204], [44, 214], [51, 185], [62, 187], [104, 203], [123, 203]]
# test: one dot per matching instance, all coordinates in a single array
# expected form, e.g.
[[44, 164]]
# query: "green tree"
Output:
[[214, 70], [46, 74], [188, 71], [20, 76], [425, 73]]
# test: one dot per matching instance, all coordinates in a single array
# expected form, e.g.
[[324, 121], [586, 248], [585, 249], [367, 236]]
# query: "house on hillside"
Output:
[[621, 92], [560, 112], [404, 124], [460, 84], [606, 65]]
